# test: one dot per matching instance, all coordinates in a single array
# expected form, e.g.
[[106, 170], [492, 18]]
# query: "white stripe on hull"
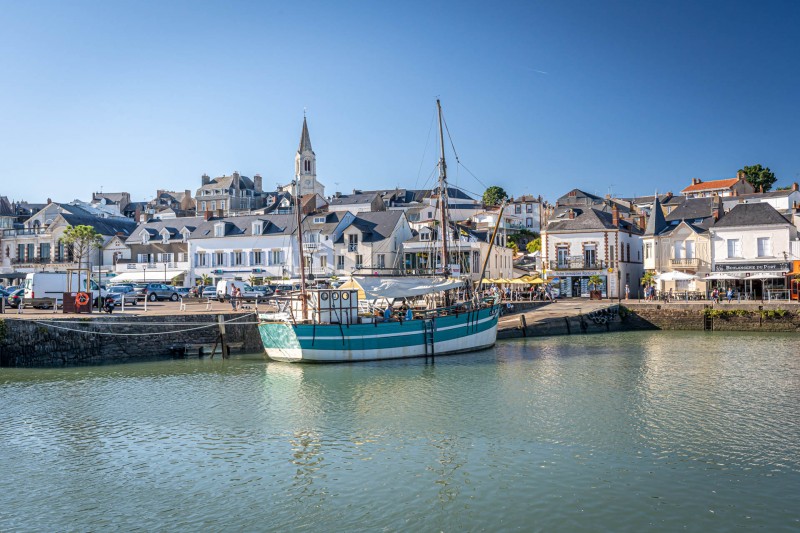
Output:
[[468, 343]]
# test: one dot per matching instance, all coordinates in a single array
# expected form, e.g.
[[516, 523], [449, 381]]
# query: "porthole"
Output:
[[345, 295], [335, 296], [324, 296]]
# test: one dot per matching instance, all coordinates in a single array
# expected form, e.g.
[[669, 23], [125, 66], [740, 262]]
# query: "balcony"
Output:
[[576, 263], [127, 266], [684, 262], [23, 231], [310, 246], [352, 247]]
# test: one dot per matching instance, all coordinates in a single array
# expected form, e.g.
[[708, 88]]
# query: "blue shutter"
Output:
[[250, 256]]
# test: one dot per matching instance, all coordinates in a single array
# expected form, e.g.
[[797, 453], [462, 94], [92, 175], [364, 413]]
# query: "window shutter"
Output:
[[232, 259], [250, 259], [196, 259]]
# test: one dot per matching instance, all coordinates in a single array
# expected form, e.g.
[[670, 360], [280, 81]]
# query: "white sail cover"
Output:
[[378, 287]]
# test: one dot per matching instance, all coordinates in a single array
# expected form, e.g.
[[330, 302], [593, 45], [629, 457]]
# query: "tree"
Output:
[[82, 240], [535, 245], [595, 281], [513, 246], [494, 195], [206, 279], [759, 177], [648, 279]]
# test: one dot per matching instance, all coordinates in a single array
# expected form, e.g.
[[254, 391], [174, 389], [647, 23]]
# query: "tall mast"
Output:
[[300, 246], [442, 192]]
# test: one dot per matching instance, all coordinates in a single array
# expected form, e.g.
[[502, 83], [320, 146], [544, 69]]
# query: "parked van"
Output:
[[248, 292], [39, 285]]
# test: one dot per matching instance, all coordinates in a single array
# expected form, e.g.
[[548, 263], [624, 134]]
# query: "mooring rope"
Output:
[[50, 324]]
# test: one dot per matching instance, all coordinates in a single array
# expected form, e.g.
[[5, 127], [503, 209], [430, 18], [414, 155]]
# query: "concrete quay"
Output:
[[562, 317]]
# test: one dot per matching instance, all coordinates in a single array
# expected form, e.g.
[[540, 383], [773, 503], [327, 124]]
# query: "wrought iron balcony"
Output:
[[310, 246], [352, 247]]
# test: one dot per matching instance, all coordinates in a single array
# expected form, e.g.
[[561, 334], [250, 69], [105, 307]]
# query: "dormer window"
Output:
[[165, 237], [145, 237], [258, 227], [319, 220], [424, 236], [184, 235], [219, 230]]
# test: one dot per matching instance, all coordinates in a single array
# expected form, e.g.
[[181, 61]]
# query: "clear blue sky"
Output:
[[540, 97]]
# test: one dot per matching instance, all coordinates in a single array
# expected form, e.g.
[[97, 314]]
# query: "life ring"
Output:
[[81, 299]]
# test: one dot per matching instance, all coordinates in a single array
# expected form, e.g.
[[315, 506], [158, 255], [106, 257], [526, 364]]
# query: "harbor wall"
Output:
[[767, 317], [121, 338]]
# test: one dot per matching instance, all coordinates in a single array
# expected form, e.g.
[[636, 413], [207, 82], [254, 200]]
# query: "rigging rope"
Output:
[[50, 324]]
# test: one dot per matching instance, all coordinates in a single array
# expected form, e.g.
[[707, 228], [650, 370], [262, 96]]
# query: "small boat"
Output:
[[334, 325]]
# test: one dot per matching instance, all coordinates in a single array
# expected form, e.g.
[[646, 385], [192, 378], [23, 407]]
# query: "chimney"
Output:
[[740, 175], [668, 196], [614, 215], [257, 183], [571, 214], [735, 193], [49, 201], [715, 213], [220, 213], [642, 221], [695, 181], [337, 194], [206, 179], [794, 188], [208, 215]]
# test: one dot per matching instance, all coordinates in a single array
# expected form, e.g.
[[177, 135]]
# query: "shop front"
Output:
[[753, 281], [576, 284]]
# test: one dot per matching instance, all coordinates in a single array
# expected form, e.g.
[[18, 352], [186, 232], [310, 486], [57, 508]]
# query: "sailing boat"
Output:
[[328, 325]]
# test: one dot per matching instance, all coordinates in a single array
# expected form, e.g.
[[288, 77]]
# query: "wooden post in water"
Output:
[[225, 350]]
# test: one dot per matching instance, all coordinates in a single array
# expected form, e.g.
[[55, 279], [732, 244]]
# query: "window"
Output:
[[517, 209], [359, 260], [258, 258], [562, 256], [381, 259], [219, 258], [352, 243], [424, 236], [203, 204], [734, 248], [165, 237], [219, 230], [257, 227], [222, 204], [201, 259], [340, 262], [529, 222], [213, 205], [764, 247], [628, 248], [319, 220], [611, 255], [529, 208], [589, 256], [238, 258], [689, 249], [275, 257], [145, 237], [322, 261], [678, 254]]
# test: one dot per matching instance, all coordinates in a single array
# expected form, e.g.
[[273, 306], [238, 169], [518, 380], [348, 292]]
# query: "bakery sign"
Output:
[[753, 267]]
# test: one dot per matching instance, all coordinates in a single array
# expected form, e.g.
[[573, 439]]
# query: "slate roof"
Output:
[[375, 226], [352, 199], [656, 223], [174, 226], [579, 197], [226, 182], [694, 208], [757, 214], [591, 220], [104, 226], [5, 208], [273, 225]]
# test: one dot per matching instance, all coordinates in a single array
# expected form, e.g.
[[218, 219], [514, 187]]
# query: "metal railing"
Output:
[[352, 247], [686, 262]]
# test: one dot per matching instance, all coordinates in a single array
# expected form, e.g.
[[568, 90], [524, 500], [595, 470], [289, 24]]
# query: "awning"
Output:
[[674, 276], [377, 287], [766, 275], [722, 275], [141, 276]]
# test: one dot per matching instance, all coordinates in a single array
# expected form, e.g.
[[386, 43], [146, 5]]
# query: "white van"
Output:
[[54, 284], [224, 288]]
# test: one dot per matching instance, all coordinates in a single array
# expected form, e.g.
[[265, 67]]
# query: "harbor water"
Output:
[[619, 432]]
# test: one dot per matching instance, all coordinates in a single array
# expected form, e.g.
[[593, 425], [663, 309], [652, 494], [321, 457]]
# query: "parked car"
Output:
[[209, 291], [116, 292], [158, 291], [265, 290], [15, 298], [183, 292], [286, 289]]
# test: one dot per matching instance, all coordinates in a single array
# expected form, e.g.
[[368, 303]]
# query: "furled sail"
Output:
[[402, 287]]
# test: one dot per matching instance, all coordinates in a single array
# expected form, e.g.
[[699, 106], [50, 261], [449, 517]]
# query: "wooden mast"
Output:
[[442, 194], [297, 206]]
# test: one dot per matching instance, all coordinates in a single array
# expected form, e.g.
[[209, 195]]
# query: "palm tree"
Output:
[[648, 279], [206, 279], [595, 281]]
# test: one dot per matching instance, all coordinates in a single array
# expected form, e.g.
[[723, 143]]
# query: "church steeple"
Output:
[[305, 164], [305, 139]]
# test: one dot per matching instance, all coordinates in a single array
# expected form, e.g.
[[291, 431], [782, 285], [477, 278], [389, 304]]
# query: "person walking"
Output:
[[627, 291], [729, 294]]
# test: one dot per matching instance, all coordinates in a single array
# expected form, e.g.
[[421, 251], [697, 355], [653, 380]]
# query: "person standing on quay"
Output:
[[627, 291], [729, 294], [233, 297]]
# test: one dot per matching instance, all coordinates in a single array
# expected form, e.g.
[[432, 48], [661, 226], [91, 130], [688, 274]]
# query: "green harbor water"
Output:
[[617, 432]]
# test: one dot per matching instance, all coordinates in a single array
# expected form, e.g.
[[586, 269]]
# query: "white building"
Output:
[[369, 242], [590, 242]]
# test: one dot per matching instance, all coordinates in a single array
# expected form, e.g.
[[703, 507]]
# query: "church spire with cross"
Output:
[[305, 165]]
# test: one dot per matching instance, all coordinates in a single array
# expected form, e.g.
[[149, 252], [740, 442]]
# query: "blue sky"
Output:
[[540, 97]]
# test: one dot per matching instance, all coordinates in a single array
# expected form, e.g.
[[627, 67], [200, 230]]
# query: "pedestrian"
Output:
[[387, 314], [729, 294], [627, 291], [715, 295], [233, 296]]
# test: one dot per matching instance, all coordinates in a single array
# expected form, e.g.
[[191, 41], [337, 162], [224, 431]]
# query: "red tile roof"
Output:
[[711, 185]]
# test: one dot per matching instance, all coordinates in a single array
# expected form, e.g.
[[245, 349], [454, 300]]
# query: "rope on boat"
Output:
[[51, 325]]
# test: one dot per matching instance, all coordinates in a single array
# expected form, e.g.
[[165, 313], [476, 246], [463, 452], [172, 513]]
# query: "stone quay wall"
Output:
[[701, 316], [48, 342]]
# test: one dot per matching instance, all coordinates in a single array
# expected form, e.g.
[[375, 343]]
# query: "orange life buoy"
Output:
[[81, 299]]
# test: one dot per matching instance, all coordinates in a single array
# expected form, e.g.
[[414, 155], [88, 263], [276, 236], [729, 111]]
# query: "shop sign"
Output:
[[753, 267], [582, 273]]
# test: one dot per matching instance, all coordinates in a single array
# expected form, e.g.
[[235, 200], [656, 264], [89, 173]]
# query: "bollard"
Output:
[[145, 302], [122, 300]]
